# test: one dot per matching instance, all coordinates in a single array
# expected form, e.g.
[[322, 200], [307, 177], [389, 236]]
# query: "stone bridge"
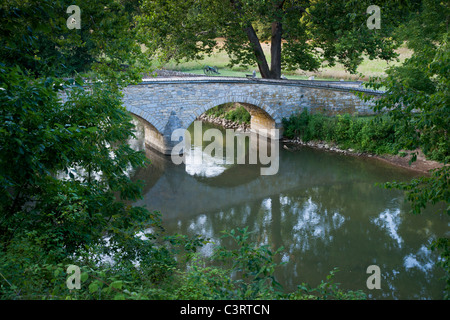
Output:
[[166, 104]]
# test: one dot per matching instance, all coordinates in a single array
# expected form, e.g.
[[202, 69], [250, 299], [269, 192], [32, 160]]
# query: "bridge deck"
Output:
[[343, 85]]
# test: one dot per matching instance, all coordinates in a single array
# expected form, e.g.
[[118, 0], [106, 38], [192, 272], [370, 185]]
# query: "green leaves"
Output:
[[246, 270], [418, 98], [235, 113], [35, 36], [366, 134], [326, 290], [428, 190], [66, 160], [104, 289], [311, 32], [93, 287], [254, 265]]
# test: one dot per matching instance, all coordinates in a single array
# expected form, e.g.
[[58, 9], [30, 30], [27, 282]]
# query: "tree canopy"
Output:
[[36, 38], [418, 99], [65, 188], [64, 157], [302, 34]]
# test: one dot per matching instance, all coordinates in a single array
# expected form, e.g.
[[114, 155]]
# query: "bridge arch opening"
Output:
[[259, 117], [213, 152], [161, 139]]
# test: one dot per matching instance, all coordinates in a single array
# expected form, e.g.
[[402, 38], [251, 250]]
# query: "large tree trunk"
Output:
[[275, 43], [275, 51], [274, 72], [263, 66]]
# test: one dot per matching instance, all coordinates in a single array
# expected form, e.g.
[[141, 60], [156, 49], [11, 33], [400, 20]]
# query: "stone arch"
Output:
[[260, 119], [263, 116]]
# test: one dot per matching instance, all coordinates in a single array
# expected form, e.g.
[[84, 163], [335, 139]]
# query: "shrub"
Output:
[[296, 125], [367, 134], [230, 112], [239, 114]]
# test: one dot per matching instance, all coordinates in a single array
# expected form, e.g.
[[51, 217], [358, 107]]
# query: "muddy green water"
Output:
[[324, 208]]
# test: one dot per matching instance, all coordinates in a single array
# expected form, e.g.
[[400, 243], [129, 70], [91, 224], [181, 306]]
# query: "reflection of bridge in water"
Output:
[[170, 187], [322, 207]]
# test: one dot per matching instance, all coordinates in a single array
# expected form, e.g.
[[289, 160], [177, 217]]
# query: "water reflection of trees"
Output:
[[321, 207], [321, 228]]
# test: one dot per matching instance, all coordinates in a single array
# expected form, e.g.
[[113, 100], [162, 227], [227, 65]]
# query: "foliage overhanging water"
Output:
[[325, 209]]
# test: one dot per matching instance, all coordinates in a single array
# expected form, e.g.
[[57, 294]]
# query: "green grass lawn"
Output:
[[368, 68]]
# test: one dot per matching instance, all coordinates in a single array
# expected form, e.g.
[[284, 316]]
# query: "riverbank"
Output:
[[227, 124], [422, 164]]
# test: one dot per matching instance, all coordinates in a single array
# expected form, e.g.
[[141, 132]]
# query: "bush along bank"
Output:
[[371, 136], [229, 116]]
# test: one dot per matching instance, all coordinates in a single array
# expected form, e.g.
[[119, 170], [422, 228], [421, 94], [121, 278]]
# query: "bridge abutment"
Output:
[[153, 138]]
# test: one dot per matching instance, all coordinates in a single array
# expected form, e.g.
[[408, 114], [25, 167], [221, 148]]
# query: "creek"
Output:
[[325, 209]]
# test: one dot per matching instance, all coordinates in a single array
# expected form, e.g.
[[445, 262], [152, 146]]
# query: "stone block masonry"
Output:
[[166, 104]]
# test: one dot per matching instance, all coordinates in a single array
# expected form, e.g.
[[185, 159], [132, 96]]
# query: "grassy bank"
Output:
[[379, 135], [368, 68], [230, 111], [365, 134]]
